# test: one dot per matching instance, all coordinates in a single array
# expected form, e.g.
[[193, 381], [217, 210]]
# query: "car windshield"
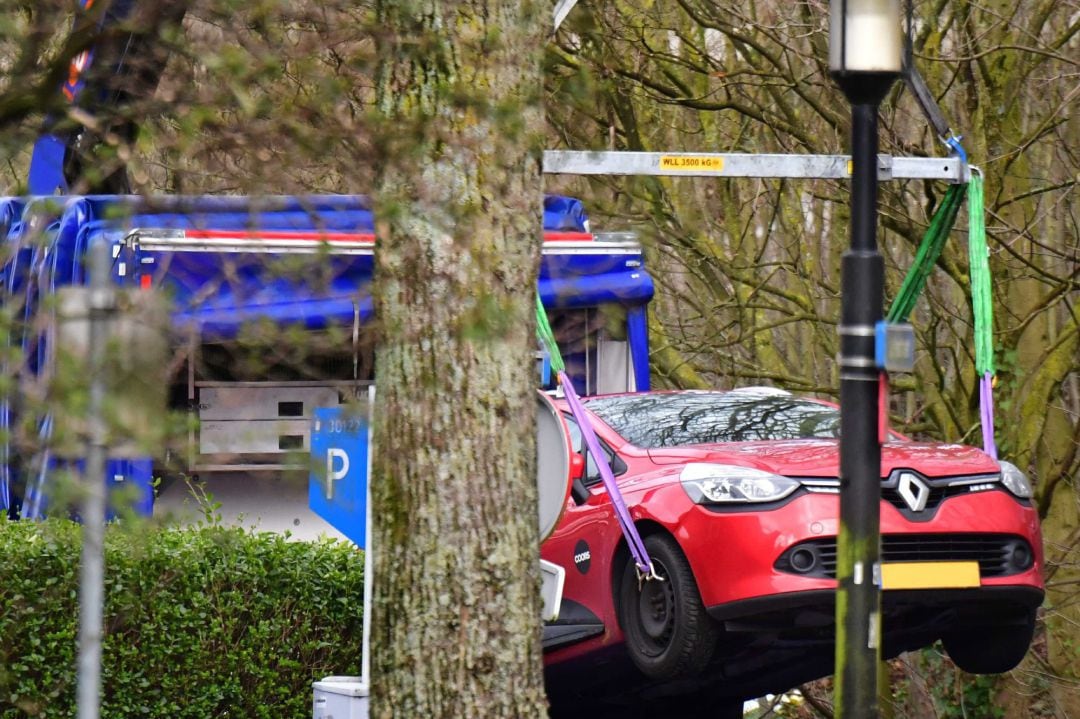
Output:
[[670, 420]]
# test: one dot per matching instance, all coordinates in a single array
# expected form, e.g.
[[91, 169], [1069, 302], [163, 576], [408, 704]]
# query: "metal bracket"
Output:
[[734, 164], [884, 167]]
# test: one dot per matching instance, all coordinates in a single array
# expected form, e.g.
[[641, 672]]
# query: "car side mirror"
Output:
[[578, 491], [577, 466]]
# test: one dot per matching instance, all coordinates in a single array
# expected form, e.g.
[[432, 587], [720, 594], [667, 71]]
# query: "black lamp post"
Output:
[[865, 54]]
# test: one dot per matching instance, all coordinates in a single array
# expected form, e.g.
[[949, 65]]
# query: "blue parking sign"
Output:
[[337, 487]]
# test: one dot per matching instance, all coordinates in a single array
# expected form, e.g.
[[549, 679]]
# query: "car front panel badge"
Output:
[[913, 491], [582, 556]]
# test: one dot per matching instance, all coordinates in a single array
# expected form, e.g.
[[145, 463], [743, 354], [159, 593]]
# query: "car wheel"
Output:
[[991, 650], [668, 634]]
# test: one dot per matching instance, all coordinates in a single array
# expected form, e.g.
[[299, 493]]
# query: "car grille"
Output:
[[937, 496], [938, 490], [998, 555]]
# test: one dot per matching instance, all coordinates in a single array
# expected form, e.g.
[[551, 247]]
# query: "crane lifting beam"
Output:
[[711, 164]]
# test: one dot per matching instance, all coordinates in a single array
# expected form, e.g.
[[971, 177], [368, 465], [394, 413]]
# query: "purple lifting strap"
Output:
[[986, 408], [637, 548]]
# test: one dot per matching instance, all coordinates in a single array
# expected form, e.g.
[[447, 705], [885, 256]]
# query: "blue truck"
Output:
[[301, 265]]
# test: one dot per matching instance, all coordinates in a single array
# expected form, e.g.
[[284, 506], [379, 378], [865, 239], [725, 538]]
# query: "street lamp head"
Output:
[[865, 47]]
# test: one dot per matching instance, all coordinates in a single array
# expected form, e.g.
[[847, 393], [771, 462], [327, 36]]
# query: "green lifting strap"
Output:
[[983, 309], [927, 254], [979, 259], [543, 331]]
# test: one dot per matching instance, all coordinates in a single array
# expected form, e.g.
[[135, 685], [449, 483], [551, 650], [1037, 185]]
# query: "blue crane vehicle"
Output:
[[232, 264]]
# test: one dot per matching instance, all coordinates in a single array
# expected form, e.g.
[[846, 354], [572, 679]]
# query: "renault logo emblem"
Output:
[[913, 491]]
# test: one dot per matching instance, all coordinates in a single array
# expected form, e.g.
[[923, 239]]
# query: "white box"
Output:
[[340, 698], [264, 402], [273, 436], [551, 589]]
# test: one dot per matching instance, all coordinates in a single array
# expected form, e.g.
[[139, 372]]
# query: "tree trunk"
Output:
[[457, 610]]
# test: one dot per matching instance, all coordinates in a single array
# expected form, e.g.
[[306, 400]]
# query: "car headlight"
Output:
[[1015, 481], [728, 484]]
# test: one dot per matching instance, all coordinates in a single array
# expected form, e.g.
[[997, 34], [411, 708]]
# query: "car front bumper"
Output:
[[734, 553]]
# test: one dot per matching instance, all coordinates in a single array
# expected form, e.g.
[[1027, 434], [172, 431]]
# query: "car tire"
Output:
[[991, 650], [668, 633]]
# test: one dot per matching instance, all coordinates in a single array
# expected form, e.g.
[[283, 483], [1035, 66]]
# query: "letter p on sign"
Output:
[[333, 454]]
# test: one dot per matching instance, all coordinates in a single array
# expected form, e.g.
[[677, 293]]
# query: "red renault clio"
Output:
[[736, 495]]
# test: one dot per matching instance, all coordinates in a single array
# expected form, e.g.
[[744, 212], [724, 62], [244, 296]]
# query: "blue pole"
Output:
[[637, 334]]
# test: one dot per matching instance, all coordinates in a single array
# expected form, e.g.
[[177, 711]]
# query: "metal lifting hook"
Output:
[[649, 576]]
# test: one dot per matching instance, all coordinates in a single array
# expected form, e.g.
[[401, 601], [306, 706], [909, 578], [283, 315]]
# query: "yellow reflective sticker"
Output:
[[850, 167], [687, 163], [929, 575]]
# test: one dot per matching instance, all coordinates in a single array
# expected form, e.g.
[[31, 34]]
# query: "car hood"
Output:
[[821, 457]]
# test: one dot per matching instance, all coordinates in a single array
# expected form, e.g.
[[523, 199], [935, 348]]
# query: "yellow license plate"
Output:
[[929, 575]]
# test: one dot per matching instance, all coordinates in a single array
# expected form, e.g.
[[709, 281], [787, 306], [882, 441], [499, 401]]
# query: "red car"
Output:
[[736, 495]]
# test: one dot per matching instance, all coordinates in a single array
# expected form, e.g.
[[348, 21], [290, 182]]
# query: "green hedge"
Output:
[[199, 622]]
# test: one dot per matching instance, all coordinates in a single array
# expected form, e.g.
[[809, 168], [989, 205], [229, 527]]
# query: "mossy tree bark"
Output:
[[456, 615]]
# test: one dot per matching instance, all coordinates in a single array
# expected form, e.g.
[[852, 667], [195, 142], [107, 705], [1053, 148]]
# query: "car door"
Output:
[[584, 544]]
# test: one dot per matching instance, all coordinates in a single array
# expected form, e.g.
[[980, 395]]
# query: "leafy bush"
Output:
[[199, 622]]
